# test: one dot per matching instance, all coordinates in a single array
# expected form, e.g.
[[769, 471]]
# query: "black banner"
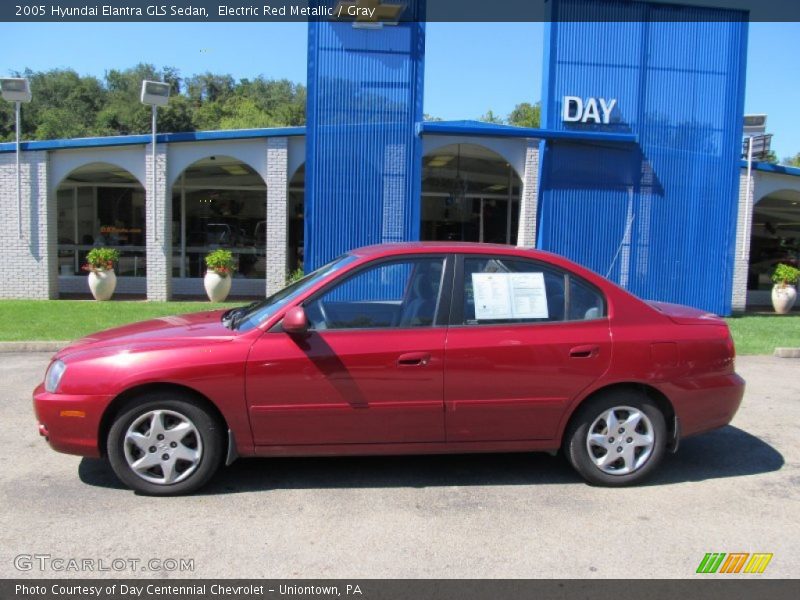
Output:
[[367, 11], [734, 587]]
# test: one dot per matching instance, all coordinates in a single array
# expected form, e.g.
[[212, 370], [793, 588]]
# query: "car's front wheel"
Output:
[[163, 444], [616, 438]]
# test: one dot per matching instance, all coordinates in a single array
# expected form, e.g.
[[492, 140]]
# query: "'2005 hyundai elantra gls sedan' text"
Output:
[[399, 349]]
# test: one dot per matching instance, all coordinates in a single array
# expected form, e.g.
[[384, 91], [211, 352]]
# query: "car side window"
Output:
[[585, 301], [501, 291], [396, 294]]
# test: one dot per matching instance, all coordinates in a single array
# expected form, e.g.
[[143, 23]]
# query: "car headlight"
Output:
[[53, 377]]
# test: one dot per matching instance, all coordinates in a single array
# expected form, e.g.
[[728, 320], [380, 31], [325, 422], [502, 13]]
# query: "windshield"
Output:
[[248, 317]]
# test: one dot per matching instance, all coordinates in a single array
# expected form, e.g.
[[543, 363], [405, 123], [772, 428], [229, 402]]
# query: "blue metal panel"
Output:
[[478, 128], [363, 157], [658, 217], [770, 168]]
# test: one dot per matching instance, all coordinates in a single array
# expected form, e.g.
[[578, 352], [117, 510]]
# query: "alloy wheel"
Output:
[[620, 440], [163, 447]]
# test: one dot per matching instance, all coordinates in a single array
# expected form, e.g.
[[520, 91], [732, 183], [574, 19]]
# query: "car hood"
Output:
[[196, 328]]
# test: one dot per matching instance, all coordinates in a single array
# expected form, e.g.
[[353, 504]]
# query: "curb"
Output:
[[8, 347], [787, 352]]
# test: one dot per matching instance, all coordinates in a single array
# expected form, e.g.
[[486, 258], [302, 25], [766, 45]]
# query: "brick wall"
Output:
[[29, 266], [529, 200], [277, 190], [742, 258], [158, 216]]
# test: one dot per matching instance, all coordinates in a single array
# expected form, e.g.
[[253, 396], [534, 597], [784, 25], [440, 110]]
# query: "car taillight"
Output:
[[731, 347]]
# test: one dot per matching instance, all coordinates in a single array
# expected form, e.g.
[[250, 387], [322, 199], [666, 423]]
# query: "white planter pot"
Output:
[[102, 284], [217, 286], [783, 298]]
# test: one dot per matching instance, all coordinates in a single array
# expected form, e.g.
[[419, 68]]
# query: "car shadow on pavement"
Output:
[[728, 452]]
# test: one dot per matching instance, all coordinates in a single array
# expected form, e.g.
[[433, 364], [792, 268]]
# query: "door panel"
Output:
[[525, 339], [514, 382], [371, 370], [347, 387]]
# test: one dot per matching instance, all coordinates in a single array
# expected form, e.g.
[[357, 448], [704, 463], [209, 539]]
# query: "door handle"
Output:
[[414, 359], [587, 351]]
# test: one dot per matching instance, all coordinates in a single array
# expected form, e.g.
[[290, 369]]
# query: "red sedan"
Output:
[[399, 349]]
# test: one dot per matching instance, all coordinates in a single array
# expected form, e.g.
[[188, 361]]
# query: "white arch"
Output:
[[297, 156], [64, 162], [512, 150], [253, 153], [767, 184]]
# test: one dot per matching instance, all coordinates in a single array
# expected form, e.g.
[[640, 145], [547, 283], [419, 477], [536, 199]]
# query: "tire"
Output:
[[177, 444], [626, 454]]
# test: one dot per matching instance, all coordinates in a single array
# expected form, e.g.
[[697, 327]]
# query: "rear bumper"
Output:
[[70, 423], [706, 403]]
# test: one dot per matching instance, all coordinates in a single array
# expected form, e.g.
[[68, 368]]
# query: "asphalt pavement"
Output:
[[481, 516]]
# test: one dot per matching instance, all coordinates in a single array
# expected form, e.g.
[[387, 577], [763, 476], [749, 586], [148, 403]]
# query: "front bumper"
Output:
[[70, 423]]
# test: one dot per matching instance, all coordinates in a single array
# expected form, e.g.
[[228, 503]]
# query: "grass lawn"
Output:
[[761, 334], [22, 320]]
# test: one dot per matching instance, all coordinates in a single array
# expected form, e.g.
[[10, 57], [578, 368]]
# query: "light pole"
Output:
[[757, 142], [17, 90], [154, 93]]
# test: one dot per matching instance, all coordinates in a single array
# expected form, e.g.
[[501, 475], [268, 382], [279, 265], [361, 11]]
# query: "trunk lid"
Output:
[[686, 315]]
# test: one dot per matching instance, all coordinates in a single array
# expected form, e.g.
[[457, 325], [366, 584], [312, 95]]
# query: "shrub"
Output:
[[785, 275], [101, 259], [294, 276], [221, 262]]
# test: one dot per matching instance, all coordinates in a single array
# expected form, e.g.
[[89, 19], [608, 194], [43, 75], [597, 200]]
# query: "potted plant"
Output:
[[218, 277], [784, 292], [100, 264]]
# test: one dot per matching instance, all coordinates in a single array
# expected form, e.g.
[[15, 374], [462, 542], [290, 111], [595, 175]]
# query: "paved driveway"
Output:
[[504, 515]]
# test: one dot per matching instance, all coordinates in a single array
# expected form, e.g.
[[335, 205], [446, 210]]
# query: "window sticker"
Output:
[[509, 296]]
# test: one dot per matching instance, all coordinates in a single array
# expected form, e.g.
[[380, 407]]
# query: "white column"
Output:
[[29, 266], [741, 260], [158, 227], [277, 212], [529, 200]]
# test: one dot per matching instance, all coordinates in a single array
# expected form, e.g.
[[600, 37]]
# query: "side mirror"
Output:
[[295, 321]]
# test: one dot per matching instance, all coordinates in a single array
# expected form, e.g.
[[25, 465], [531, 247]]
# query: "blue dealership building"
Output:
[[635, 172]]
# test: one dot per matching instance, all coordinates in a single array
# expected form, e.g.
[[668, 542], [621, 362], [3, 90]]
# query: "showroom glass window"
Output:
[[394, 294], [503, 291], [219, 202], [101, 205]]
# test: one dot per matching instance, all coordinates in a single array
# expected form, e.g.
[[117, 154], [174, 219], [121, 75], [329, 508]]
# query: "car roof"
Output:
[[391, 249]]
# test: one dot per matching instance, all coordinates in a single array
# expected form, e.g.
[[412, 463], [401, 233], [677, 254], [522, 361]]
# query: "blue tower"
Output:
[[363, 155], [659, 216]]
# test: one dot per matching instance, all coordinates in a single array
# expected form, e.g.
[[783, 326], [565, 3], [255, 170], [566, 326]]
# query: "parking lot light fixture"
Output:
[[155, 94], [17, 90]]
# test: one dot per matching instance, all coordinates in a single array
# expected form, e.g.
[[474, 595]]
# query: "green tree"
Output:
[[526, 114], [240, 112], [67, 105], [123, 112], [63, 104], [209, 87], [792, 161], [770, 157], [490, 117]]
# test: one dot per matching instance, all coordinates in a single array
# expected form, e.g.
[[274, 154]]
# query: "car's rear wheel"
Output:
[[617, 438], [165, 444]]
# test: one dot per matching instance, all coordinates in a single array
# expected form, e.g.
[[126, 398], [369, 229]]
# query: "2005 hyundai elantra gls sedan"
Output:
[[399, 349]]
